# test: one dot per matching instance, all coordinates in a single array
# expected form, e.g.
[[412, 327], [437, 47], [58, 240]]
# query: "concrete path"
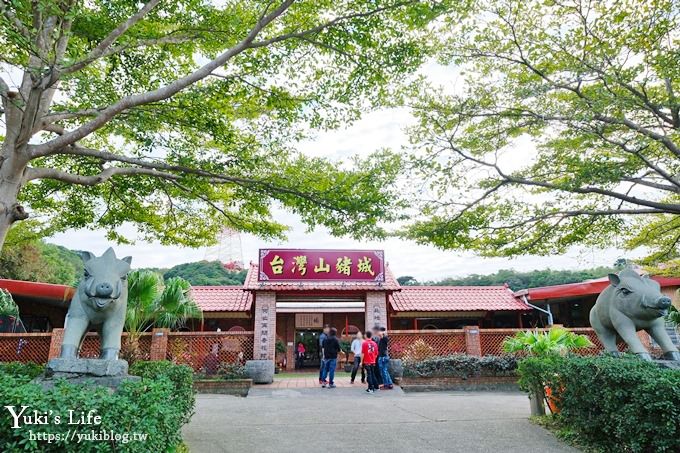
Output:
[[349, 420]]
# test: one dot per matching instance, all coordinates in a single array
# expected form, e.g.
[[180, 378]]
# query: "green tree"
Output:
[[563, 129], [520, 280], [181, 117], [407, 280], [27, 257], [153, 302], [206, 273]]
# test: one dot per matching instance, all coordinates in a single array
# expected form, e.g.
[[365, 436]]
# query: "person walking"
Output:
[[384, 359], [322, 338], [356, 349], [300, 355], [369, 354], [375, 336], [331, 348]]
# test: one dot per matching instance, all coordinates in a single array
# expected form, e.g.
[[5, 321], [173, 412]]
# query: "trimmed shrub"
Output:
[[461, 365], [28, 370], [154, 408], [611, 404], [181, 376]]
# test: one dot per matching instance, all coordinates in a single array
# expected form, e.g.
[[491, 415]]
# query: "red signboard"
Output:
[[296, 264]]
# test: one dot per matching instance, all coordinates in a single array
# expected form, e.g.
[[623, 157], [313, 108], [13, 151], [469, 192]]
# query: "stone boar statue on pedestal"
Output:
[[101, 301], [630, 303]]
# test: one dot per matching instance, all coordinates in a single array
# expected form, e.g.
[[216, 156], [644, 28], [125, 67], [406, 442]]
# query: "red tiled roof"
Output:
[[455, 298], [221, 298], [251, 283], [581, 289], [39, 291]]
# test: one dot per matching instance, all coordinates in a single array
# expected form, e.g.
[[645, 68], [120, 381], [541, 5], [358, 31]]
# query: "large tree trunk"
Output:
[[12, 168]]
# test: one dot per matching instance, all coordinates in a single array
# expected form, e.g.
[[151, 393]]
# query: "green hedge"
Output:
[[461, 365], [157, 406], [611, 404]]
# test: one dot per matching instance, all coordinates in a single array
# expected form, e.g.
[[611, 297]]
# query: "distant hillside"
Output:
[[206, 273], [517, 280], [27, 257]]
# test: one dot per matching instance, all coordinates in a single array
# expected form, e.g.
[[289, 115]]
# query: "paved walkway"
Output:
[[311, 380], [349, 420]]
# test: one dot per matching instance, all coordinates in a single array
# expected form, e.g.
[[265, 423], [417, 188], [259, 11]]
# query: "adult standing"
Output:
[[331, 348], [356, 349], [375, 336], [369, 354], [384, 359], [322, 338]]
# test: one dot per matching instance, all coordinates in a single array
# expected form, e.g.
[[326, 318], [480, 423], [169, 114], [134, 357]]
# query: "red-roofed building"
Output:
[[42, 306], [447, 307], [224, 307], [570, 304]]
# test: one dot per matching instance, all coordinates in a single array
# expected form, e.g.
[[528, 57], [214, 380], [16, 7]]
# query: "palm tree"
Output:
[[155, 303], [556, 341], [673, 316], [7, 305]]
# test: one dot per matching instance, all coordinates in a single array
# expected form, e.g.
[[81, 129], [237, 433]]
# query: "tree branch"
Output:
[[101, 48], [93, 180], [159, 94], [176, 172]]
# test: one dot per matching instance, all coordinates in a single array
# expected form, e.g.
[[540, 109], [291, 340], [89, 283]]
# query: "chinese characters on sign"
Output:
[[308, 320], [264, 334], [294, 264]]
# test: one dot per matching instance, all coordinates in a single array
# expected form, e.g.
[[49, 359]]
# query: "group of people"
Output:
[[371, 355]]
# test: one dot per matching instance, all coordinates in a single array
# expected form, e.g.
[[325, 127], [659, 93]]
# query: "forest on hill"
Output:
[[517, 280], [27, 257]]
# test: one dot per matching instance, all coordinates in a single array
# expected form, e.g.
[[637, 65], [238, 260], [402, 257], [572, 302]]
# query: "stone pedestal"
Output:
[[99, 372], [670, 364], [260, 371]]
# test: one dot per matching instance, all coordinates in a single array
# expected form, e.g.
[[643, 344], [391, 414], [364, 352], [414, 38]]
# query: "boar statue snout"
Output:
[[663, 303], [103, 290]]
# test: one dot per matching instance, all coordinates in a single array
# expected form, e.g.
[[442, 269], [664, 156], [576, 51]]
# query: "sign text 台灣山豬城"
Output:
[[296, 264]]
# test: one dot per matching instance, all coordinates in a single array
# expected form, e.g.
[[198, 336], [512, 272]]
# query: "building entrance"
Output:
[[310, 340]]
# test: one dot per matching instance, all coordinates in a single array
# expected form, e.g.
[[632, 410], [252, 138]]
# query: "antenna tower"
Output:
[[227, 251]]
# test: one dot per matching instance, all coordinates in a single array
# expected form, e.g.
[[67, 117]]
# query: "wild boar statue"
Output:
[[100, 301], [630, 303]]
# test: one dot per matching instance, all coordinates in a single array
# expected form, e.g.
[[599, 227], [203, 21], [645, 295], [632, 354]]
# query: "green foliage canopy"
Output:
[[562, 128], [182, 117]]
